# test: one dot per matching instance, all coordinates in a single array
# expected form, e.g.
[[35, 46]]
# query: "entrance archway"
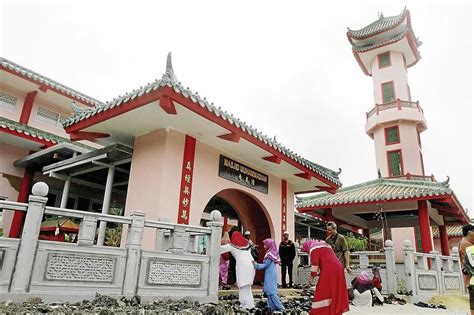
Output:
[[249, 213]]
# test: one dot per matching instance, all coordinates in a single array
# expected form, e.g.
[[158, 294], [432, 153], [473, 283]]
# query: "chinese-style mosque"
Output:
[[402, 202]]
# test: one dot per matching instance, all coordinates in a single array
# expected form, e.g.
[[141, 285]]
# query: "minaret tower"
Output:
[[385, 49]]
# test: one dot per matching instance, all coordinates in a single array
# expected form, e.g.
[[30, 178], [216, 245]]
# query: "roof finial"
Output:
[[379, 174], [446, 182], [76, 109], [380, 15], [169, 68], [339, 172]]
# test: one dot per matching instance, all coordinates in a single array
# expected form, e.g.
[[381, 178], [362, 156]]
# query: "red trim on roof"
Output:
[[233, 137], [43, 88], [27, 106], [328, 189], [189, 104], [51, 88], [167, 104], [22, 135], [273, 158], [304, 175]]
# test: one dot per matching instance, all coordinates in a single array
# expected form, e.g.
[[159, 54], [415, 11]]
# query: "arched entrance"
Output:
[[247, 213]]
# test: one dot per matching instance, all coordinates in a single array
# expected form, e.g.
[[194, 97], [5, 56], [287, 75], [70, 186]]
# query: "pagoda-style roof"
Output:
[[451, 230], [86, 120], [31, 134], [64, 224], [389, 190], [373, 39], [46, 83], [381, 25]]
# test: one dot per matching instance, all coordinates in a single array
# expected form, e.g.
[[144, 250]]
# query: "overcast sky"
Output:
[[283, 67]]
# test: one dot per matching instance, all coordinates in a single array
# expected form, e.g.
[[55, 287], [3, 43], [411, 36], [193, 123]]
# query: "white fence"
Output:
[[424, 274], [60, 271]]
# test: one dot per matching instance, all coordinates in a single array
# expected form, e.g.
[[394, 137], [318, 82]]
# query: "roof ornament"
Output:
[[169, 69], [76, 109], [379, 174], [380, 15], [446, 182], [339, 172]]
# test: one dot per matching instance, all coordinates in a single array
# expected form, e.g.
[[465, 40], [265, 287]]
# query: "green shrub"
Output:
[[356, 243]]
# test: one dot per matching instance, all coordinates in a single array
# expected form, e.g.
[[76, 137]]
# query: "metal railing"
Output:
[[399, 104]]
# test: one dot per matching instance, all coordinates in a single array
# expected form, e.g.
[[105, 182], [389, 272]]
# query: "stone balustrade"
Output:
[[61, 271]]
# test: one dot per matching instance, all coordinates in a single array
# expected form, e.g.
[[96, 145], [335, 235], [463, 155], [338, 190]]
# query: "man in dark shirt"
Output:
[[287, 253], [340, 248]]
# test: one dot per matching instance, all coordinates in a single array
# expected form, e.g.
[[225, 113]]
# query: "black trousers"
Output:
[[284, 267]]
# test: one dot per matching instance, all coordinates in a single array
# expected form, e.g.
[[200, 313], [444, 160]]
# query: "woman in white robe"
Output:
[[239, 248]]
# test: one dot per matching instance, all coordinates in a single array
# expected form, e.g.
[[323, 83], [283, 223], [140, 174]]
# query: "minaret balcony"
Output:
[[397, 110]]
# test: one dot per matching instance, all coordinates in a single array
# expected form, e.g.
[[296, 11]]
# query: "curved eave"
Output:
[[411, 42], [352, 34], [210, 114], [47, 84]]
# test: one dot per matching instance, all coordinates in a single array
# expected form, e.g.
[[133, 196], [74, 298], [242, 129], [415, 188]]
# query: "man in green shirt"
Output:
[[340, 248]]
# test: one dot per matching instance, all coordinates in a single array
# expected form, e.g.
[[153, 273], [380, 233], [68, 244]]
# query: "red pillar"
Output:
[[19, 216], [443, 237], [367, 235], [27, 106], [424, 222]]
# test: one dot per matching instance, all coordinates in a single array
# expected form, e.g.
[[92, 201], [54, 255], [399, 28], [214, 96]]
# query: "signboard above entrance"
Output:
[[243, 175]]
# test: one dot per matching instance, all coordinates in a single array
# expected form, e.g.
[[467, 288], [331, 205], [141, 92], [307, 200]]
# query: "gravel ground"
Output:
[[297, 304]]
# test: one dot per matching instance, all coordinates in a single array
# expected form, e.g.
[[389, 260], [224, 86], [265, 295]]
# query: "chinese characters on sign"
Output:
[[243, 175], [283, 207], [186, 181]]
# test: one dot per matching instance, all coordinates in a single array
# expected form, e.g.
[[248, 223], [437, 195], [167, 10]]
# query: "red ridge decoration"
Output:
[[273, 158], [233, 137], [167, 104]]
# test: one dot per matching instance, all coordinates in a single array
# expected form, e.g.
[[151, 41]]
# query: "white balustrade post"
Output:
[[162, 236], [363, 261], [106, 204], [133, 245], [456, 266], [179, 239], [409, 262], [437, 265], [390, 264], [87, 231], [214, 250], [29, 239]]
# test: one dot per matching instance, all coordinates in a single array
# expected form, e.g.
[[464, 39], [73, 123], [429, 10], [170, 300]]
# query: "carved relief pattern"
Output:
[[172, 273], [452, 283], [80, 268], [427, 282]]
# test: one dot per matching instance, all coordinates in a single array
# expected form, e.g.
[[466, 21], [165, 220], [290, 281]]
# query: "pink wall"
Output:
[[13, 115], [408, 145], [155, 182], [396, 72]]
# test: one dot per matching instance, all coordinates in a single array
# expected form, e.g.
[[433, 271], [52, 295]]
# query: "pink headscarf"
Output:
[[308, 245], [272, 250], [364, 279]]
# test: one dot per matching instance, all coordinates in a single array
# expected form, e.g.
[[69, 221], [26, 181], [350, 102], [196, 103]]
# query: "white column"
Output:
[[65, 194], [309, 233], [106, 204], [214, 250]]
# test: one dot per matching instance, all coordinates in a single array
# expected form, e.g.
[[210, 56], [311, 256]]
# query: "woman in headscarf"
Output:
[[239, 248], [330, 295], [270, 261], [224, 264], [362, 286], [377, 279]]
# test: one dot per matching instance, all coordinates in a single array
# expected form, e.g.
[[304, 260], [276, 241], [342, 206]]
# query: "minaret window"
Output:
[[388, 92], [392, 135], [395, 166], [384, 60]]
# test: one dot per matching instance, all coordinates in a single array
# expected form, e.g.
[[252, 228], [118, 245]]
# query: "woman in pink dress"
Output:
[[330, 295]]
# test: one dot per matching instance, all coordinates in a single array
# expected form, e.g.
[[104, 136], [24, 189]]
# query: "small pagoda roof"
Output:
[[46, 82], [451, 230], [86, 117], [64, 224], [383, 190], [394, 31], [381, 25]]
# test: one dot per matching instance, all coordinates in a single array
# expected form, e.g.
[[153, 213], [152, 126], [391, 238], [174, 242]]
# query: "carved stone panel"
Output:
[[452, 282], [174, 273], [80, 268], [427, 282]]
